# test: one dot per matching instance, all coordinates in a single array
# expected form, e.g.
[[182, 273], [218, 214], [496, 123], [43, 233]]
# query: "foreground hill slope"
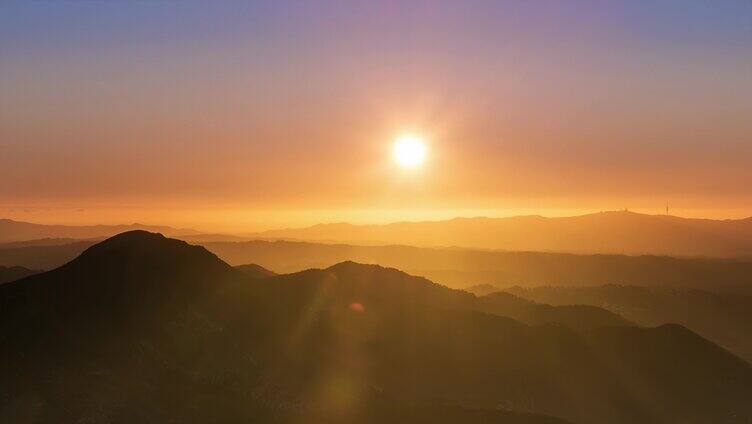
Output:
[[619, 232], [141, 328]]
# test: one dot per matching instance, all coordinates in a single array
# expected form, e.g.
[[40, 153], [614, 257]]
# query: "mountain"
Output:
[[454, 267], [12, 231], [466, 267], [483, 289], [255, 271], [725, 319], [581, 317], [44, 242], [142, 328], [42, 256], [606, 232], [393, 285], [206, 238], [14, 273]]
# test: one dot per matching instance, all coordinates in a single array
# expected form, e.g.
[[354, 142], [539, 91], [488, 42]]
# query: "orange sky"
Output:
[[248, 117]]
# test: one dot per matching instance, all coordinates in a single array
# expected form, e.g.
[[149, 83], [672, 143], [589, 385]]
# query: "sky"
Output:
[[253, 115]]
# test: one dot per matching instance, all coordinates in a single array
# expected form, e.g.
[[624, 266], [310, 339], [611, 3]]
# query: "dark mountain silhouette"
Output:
[[255, 271], [11, 231], [14, 273], [725, 319], [606, 232], [390, 286], [142, 328]]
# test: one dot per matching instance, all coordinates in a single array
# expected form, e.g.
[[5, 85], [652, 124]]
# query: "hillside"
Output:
[[725, 319], [607, 232], [255, 271], [142, 328]]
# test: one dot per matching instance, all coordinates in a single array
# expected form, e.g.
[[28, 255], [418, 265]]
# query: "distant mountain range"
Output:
[[39, 255], [725, 319], [143, 328], [255, 271], [618, 232], [453, 267], [17, 231], [466, 267], [607, 232], [12, 273]]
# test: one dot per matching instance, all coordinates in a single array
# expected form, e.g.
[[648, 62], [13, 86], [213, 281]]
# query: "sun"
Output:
[[409, 150]]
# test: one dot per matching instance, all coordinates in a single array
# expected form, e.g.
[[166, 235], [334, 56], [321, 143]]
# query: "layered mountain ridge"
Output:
[[142, 328], [613, 232]]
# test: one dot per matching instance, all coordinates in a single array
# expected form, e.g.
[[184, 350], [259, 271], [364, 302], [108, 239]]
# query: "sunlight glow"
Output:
[[409, 150]]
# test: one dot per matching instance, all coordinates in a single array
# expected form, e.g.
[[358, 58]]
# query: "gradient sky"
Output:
[[252, 115]]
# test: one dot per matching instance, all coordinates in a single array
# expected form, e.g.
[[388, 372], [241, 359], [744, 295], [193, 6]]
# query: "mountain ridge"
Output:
[[142, 328], [726, 319], [460, 268], [612, 232], [454, 267], [12, 273], [20, 231]]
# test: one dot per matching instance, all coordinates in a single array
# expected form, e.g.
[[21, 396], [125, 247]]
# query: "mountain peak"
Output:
[[139, 249], [255, 271], [134, 236], [352, 265], [356, 269], [136, 241], [137, 265]]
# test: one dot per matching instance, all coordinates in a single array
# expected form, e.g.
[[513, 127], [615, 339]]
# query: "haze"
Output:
[[266, 115]]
